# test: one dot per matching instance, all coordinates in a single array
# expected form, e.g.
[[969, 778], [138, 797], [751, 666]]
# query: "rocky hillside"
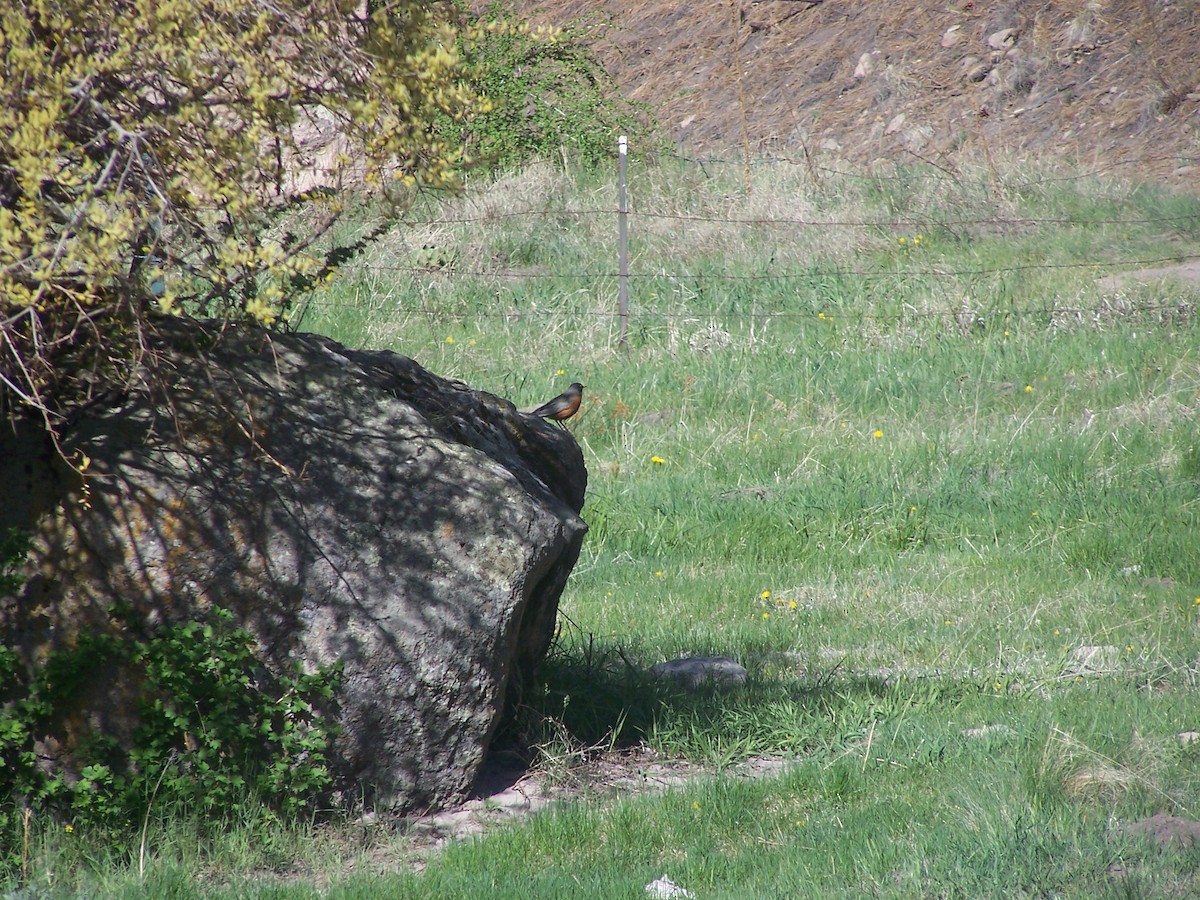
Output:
[[1103, 82]]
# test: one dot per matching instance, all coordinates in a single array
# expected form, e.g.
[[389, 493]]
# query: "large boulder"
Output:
[[346, 505]]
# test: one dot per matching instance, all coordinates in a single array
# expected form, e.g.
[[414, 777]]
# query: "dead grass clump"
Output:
[[1080, 773]]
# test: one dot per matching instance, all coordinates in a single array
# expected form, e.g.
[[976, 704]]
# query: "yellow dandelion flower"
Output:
[[1029, 388], [878, 434], [695, 804], [792, 604], [658, 573], [450, 339], [560, 371], [766, 615], [766, 595], [657, 460]]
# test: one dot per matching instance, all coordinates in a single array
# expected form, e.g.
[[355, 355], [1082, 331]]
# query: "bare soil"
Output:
[[1186, 271], [1105, 84], [508, 791], [505, 792]]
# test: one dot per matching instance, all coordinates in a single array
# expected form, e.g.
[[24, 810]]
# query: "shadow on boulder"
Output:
[[346, 505]]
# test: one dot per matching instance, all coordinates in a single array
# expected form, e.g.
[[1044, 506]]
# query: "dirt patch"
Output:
[[1113, 86], [1188, 271], [1168, 831], [506, 792]]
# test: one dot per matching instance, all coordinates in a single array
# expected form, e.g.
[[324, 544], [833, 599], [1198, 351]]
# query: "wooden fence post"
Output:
[[623, 243]]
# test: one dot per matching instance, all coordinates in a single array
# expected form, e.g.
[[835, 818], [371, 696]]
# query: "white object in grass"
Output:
[[664, 887]]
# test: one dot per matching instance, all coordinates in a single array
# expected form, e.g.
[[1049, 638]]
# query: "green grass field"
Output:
[[889, 442]]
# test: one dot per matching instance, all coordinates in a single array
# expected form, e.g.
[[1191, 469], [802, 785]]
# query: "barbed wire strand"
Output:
[[541, 212], [517, 274], [824, 318]]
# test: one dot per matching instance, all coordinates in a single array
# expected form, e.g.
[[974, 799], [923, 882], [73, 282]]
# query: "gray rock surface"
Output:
[[696, 671], [346, 505]]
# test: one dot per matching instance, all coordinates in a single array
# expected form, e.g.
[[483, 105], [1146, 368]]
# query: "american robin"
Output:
[[561, 407]]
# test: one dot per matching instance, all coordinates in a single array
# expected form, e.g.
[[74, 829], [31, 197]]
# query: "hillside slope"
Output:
[[1104, 83]]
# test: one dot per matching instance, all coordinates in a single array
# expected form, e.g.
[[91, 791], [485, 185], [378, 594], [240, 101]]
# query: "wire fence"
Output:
[[1180, 217], [784, 275]]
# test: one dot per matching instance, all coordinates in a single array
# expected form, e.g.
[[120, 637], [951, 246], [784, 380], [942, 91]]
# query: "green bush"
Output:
[[13, 547], [216, 734], [548, 93]]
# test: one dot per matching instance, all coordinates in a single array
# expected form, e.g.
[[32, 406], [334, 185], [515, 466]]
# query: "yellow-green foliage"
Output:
[[144, 147]]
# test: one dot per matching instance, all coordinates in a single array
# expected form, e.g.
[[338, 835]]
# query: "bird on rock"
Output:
[[561, 407]]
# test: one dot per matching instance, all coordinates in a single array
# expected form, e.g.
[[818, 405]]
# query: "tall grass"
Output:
[[915, 467]]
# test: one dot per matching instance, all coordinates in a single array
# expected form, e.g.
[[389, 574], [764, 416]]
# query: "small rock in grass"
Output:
[[975, 69], [1188, 738], [1002, 39], [754, 492], [695, 671], [866, 64], [895, 124], [664, 887], [987, 731]]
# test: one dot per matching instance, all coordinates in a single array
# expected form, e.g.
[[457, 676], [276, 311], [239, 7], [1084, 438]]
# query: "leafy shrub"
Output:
[[13, 547], [216, 734], [547, 92], [147, 165], [219, 726]]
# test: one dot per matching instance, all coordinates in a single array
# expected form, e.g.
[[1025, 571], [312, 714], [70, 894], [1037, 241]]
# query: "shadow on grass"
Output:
[[593, 697]]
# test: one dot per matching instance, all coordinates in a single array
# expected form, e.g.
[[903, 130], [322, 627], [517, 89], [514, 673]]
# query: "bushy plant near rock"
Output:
[[214, 733]]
